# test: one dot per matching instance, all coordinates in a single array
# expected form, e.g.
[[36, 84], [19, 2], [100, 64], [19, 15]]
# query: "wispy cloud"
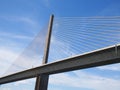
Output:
[[7, 56], [27, 82], [20, 85], [115, 67], [30, 57], [22, 19], [85, 80], [10, 49], [9, 35], [5, 88], [24, 63], [29, 24]]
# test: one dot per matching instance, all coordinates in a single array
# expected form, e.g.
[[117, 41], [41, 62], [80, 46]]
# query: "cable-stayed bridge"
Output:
[[77, 42]]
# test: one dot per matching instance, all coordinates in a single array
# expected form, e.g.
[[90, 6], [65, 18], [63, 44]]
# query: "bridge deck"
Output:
[[109, 55]]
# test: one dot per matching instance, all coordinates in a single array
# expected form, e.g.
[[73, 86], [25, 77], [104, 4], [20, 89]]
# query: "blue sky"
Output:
[[20, 22]]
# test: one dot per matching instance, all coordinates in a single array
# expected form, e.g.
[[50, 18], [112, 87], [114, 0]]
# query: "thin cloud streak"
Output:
[[7, 56], [85, 80], [115, 67], [30, 25], [26, 20], [9, 35], [27, 82]]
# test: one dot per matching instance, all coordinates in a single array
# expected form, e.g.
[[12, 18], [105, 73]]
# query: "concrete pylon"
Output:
[[42, 80]]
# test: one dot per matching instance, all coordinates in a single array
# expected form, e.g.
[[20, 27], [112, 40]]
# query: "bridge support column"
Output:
[[42, 80]]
